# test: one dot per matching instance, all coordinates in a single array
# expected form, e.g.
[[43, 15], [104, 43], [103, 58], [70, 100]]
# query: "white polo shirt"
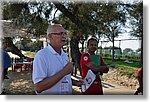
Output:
[[47, 63]]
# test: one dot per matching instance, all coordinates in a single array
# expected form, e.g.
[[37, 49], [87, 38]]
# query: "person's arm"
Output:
[[100, 68], [77, 82], [86, 60], [50, 81]]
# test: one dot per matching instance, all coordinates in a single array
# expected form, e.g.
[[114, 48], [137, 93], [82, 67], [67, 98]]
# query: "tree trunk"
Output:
[[113, 52], [75, 53], [69, 14], [82, 49], [141, 61]]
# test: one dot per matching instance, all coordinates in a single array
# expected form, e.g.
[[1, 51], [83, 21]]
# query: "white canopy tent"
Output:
[[13, 55]]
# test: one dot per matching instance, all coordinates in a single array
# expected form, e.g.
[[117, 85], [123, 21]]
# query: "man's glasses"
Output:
[[61, 33]]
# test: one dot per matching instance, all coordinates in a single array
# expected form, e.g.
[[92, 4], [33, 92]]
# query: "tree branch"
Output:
[[67, 13]]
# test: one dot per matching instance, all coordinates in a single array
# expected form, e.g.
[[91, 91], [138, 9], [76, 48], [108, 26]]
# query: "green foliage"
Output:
[[96, 18], [128, 69], [127, 51], [20, 14], [27, 45], [30, 54], [110, 47], [37, 45], [92, 16], [137, 21], [13, 10], [123, 57], [138, 50]]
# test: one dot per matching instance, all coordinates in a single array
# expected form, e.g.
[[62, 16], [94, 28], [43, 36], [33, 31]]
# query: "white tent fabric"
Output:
[[13, 55]]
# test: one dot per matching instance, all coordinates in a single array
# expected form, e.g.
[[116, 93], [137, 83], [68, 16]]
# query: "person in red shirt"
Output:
[[86, 63], [140, 80]]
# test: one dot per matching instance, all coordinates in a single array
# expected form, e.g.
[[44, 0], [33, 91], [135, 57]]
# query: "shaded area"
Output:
[[107, 85], [20, 83]]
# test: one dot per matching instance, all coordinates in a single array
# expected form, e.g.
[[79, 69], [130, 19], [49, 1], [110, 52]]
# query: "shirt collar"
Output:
[[54, 52]]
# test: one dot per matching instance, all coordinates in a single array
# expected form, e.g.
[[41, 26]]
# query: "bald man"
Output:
[[51, 66]]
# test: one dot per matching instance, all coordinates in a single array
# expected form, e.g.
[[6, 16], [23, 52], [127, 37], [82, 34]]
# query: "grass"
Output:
[[128, 69], [30, 54]]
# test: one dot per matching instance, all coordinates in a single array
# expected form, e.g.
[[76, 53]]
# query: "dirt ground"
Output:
[[20, 83]]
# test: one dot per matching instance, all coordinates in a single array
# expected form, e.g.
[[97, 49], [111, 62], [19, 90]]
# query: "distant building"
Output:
[[109, 50]]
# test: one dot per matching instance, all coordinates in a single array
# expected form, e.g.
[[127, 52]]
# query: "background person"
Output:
[[86, 63], [6, 61], [140, 80]]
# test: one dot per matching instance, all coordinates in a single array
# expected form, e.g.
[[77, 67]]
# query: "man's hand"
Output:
[[68, 68], [78, 83]]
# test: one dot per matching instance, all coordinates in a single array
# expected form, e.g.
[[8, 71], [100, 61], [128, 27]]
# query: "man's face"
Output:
[[92, 46], [57, 36], [58, 39]]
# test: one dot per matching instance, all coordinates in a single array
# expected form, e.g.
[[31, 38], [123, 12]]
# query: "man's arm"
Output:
[[77, 82], [51, 81], [100, 68], [86, 60]]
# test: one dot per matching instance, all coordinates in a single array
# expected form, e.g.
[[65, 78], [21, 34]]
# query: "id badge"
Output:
[[64, 87]]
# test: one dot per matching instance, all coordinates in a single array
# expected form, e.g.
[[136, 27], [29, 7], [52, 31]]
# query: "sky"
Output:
[[133, 44]]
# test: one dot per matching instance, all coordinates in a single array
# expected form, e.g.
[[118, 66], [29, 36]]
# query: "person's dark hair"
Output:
[[91, 39]]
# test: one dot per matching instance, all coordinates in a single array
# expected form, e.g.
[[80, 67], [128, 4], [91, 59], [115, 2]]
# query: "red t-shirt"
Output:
[[140, 73], [96, 87], [29, 59]]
